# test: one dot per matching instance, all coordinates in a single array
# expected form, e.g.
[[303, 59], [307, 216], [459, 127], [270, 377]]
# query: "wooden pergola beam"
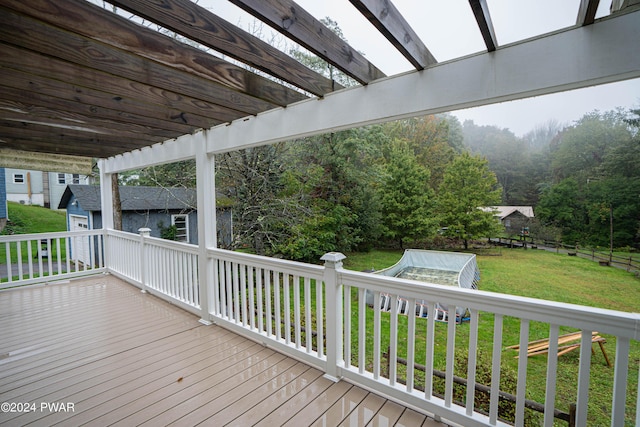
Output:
[[99, 24], [85, 52], [587, 12], [198, 24], [299, 25], [483, 18], [99, 90], [390, 22]]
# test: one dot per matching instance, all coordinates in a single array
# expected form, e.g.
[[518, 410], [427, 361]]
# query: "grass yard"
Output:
[[536, 274], [27, 219]]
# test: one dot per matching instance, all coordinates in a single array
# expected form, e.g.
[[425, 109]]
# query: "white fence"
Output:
[[319, 314], [46, 257]]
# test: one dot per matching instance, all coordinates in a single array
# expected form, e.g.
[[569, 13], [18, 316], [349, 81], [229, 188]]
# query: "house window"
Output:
[[62, 179], [76, 178], [18, 178], [182, 227]]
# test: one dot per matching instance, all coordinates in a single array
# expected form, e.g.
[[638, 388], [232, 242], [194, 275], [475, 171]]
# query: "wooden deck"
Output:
[[107, 354]]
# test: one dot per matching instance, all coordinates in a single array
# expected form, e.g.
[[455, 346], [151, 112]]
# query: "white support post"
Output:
[[207, 233], [144, 233], [106, 197], [106, 203], [334, 315]]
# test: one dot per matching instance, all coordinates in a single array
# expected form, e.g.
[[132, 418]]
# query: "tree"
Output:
[[507, 156], [582, 149], [339, 172], [407, 199], [562, 206], [434, 140], [263, 206], [468, 186]]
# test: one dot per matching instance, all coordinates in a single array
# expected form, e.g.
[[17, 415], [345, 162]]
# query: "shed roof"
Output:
[[133, 198], [505, 211]]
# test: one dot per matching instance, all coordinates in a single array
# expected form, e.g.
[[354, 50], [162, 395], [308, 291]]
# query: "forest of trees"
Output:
[[422, 181]]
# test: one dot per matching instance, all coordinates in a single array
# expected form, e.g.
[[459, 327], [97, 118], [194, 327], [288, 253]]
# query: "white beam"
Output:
[[578, 57], [173, 150]]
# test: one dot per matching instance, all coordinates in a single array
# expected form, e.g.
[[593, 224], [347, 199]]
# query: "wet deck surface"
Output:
[[97, 351]]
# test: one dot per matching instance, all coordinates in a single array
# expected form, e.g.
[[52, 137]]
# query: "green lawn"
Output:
[[27, 219], [537, 274]]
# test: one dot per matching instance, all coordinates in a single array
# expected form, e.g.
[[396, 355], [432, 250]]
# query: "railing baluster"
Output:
[[58, 257], [472, 359], [260, 303], [552, 368], [251, 290], [243, 292], [347, 326], [267, 291], [393, 342], [495, 369], [286, 288], [320, 317], [376, 335], [621, 372], [67, 244], [521, 388], [411, 340], [307, 311], [7, 249], [19, 259], [362, 329], [229, 295], [451, 350], [30, 256], [584, 372], [431, 326], [296, 310], [276, 297], [236, 292]]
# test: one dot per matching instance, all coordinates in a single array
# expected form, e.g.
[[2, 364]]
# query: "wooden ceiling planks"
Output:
[[388, 20], [299, 25]]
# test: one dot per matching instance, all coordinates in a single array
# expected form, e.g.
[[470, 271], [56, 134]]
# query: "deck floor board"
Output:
[[122, 357]]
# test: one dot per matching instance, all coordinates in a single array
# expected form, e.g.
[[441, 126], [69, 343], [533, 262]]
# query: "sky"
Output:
[[450, 31]]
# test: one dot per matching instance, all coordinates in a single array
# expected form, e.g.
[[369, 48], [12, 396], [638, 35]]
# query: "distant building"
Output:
[[514, 218], [30, 187], [144, 207]]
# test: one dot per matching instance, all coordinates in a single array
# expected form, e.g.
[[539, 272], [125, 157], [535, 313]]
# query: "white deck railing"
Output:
[[163, 267], [46, 257], [319, 314]]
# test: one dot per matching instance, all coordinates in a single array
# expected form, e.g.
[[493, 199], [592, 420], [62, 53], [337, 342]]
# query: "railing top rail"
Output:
[[614, 322], [268, 263], [181, 246], [52, 235]]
